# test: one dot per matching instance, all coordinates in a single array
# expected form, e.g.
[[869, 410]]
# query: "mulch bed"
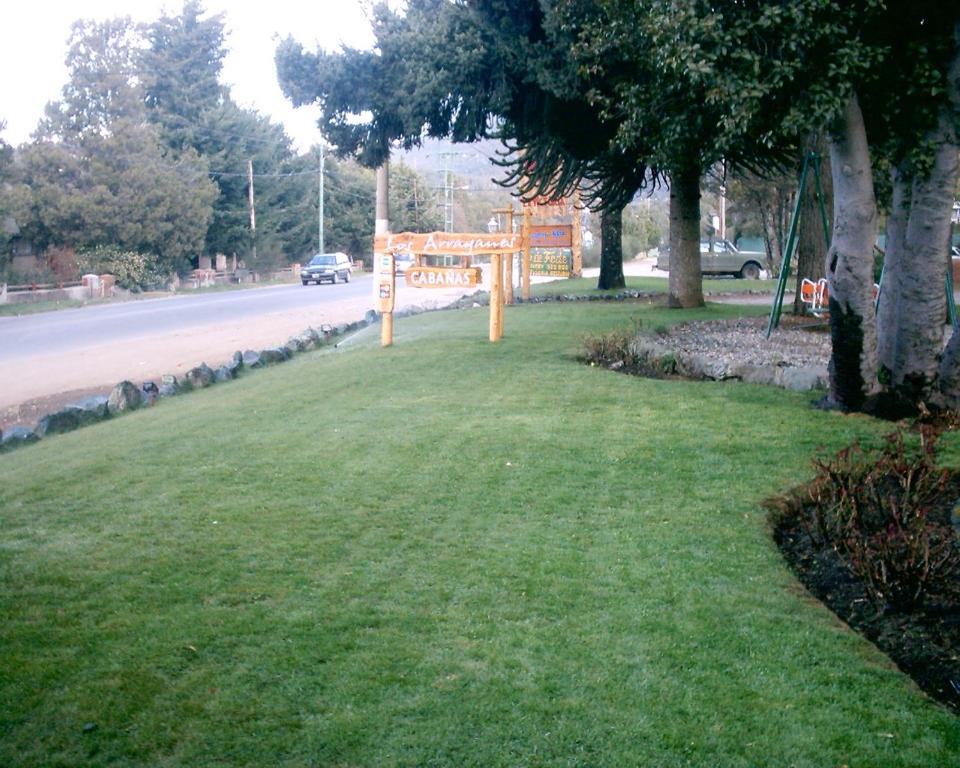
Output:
[[924, 642]]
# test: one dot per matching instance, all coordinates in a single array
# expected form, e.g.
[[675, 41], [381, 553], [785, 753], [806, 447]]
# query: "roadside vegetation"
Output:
[[448, 552]]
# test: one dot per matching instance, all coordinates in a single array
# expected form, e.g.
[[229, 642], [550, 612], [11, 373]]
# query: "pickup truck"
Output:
[[724, 258]]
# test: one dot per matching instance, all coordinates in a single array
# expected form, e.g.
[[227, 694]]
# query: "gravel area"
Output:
[[796, 343]]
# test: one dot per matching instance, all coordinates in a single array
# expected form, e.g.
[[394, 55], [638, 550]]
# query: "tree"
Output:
[[103, 86], [180, 72], [506, 73], [412, 208], [98, 173], [917, 137], [120, 190]]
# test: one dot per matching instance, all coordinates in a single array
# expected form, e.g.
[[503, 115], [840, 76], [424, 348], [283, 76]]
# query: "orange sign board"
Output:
[[449, 243], [551, 236], [443, 277]]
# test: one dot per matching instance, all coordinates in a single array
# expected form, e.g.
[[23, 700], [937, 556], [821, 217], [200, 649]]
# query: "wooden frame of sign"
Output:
[[465, 246], [541, 234]]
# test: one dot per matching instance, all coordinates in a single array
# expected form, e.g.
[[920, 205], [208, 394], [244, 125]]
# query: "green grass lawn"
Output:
[[586, 285], [445, 553]]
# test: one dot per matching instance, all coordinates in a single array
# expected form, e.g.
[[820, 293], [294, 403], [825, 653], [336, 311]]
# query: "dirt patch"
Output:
[[924, 642]]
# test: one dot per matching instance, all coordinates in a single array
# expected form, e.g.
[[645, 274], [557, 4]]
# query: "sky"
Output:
[[33, 44]]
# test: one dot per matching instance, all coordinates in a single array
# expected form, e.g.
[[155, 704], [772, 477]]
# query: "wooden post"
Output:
[[525, 271], [386, 329], [385, 282], [577, 237], [508, 262], [496, 296]]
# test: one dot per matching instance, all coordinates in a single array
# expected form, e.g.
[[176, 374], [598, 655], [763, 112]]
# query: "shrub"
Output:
[[133, 271], [883, 515], [62, 262], [611, 349]]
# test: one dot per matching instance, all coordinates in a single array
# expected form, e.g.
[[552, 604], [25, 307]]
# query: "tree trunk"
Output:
[[888, 309], [611, 250], [771, 244], [849, 270], [950, 365], [812, 242], [686, 280]]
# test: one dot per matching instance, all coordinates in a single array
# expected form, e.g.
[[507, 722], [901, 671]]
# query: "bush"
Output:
[[884, 516], [133, 271], [611, 349], [62, 262]]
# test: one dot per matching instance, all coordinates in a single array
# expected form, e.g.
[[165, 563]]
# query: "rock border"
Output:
[[658, 360], [127, 396]]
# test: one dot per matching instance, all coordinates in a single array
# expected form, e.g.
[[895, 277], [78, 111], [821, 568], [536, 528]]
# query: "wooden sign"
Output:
[[551, 236], [443, 277], [551, 263], [448, 243]]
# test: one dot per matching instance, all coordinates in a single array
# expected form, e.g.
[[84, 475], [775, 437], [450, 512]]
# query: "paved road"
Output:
[[57, 356], [69, 329]]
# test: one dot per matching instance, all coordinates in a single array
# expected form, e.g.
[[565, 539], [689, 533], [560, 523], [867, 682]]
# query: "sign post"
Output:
[[386, 282], [496, 298], [576, 244], [508, 260], [465, 245], [525, 272]]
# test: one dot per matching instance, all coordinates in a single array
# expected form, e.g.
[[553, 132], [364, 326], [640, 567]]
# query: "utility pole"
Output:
[[447, 192], [253, 213], [382, 223], [320, 232]]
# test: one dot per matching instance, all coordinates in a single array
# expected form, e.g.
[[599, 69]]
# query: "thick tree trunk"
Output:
[[611, 251], [686, 280], [950, 365], [849, 270], [913, 303], [812, 240], [888, 309]]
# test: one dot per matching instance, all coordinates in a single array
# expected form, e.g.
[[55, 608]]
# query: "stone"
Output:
[[292, 347], [124, 397], [17, 437], [58, 422], [236, 364], [150, 392], [307, 341], [222, 374], [371, 316], [758, 374], [801, 379], [200, 377], [252, 359], [91, 409], [273, 356]]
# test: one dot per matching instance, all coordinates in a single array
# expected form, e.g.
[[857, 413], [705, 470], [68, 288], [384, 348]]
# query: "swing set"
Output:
[[816, 294]]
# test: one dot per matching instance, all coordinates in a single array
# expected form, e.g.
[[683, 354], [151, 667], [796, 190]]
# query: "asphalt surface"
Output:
[[65, 330]]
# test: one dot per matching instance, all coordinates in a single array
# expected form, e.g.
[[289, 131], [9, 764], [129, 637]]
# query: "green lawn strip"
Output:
[[33, 308], [448, 552], [588, 285]]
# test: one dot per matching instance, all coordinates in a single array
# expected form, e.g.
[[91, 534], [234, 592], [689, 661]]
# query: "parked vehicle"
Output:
[[723, 258], [403, 262], [329, 267]]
